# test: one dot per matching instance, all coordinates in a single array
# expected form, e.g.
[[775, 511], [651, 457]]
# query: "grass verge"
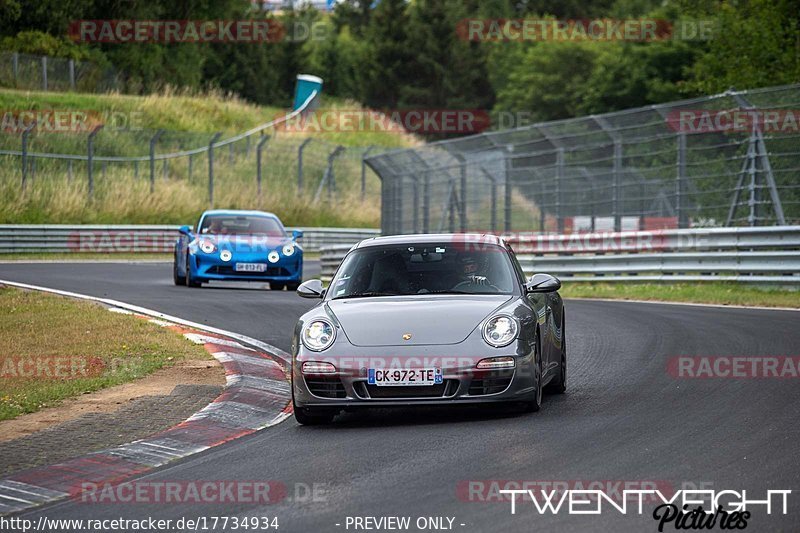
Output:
[[53, 348], [57, 191], [710, 293]]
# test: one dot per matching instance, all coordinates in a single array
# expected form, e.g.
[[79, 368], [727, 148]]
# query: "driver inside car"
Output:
[[473, 271]]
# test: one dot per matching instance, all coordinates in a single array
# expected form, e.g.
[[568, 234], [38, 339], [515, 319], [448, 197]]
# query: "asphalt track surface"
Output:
[[624, 418]]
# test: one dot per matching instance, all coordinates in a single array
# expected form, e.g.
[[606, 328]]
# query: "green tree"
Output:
[[387, 59], [756, 43]]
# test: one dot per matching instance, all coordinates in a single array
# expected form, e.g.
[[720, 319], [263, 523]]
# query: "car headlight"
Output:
[[500, 330], [208, 247], [273, 256], [288, 249], [318, 335], [225, 255]]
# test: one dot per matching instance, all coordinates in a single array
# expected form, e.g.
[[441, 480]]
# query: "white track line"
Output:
[[692, 304], [274, 350]]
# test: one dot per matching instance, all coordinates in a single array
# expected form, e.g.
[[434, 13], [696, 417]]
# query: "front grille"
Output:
[[325, 386], [228, 270], [446, 388], [491, 382]]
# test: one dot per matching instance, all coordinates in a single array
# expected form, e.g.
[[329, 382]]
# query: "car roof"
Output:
[[239, 212], [424, 238]]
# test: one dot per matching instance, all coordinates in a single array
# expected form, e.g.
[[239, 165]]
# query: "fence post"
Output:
[[72, 74], [364, 172], [153, 141], [214, 139], [90, 157], [69, 170], [25, 135], [507, 197], [44, 73], [136, 170], [329, 178], [680, 180], [259, 148], [300, 163], [191, 164], [15, 66], [559, 186], [615, 186], [463, 202], [426, 202]]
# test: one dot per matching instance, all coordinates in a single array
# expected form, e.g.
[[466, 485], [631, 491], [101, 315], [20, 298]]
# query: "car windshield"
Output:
[[241, 225], [423, 269]]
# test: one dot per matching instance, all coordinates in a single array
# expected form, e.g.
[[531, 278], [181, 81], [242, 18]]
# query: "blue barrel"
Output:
[[306, 85]]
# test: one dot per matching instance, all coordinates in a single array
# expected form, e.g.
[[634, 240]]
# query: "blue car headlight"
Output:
[[207, 246], [273, 256], [288, 249], [225, 255]]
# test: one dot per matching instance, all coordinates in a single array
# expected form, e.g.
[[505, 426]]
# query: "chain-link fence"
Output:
[[239, 169], [724, 160], [42, 73]]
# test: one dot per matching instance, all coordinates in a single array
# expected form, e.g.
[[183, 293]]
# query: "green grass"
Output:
[[708, 292], [122, 194], [43, 329]]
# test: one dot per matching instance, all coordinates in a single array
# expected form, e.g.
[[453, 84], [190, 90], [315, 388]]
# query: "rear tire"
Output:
[[313, 417], [176, 278], [190, 282], [275, 286], [292, 286]]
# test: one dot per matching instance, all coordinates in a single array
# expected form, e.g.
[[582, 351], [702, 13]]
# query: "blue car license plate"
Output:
[[251, 267], [401, 377]]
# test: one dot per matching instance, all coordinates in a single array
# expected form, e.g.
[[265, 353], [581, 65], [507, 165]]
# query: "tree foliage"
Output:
[[401, 53]]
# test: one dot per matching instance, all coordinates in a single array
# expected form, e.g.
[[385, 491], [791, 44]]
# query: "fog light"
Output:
[[273, 256], [496, 362], [225, 255], [316, 367]]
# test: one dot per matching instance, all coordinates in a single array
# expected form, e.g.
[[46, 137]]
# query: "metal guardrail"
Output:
[[138, 238], [754, 255]]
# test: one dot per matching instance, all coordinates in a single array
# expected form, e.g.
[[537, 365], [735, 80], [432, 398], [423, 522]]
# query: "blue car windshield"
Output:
[[445, 268], [241, 225]]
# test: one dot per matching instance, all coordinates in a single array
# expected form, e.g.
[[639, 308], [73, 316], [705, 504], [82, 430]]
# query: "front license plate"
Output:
[[251, 267], [401, 377]]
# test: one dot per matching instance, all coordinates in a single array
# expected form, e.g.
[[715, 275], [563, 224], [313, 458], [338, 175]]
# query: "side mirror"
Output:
[[296, 234], [542, 283], [311, 289], [186, 230]]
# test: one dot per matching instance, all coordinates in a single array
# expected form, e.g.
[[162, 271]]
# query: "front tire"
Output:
[[176, 278], [275, 286], [559, 386], [190, 281], [535, 403]]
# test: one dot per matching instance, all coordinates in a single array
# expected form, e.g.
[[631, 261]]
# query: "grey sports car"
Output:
[[428, 319]]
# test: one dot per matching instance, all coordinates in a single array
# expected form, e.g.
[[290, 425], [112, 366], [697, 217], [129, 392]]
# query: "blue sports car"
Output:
[[238, 246]]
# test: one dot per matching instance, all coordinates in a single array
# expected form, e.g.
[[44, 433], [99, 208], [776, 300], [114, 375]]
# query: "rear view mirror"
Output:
[[311, 289], [542, 283], [296, 234], [185, 230]]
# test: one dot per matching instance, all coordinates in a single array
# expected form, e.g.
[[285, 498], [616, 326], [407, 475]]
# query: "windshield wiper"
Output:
[[364, 295], [448, 291]]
